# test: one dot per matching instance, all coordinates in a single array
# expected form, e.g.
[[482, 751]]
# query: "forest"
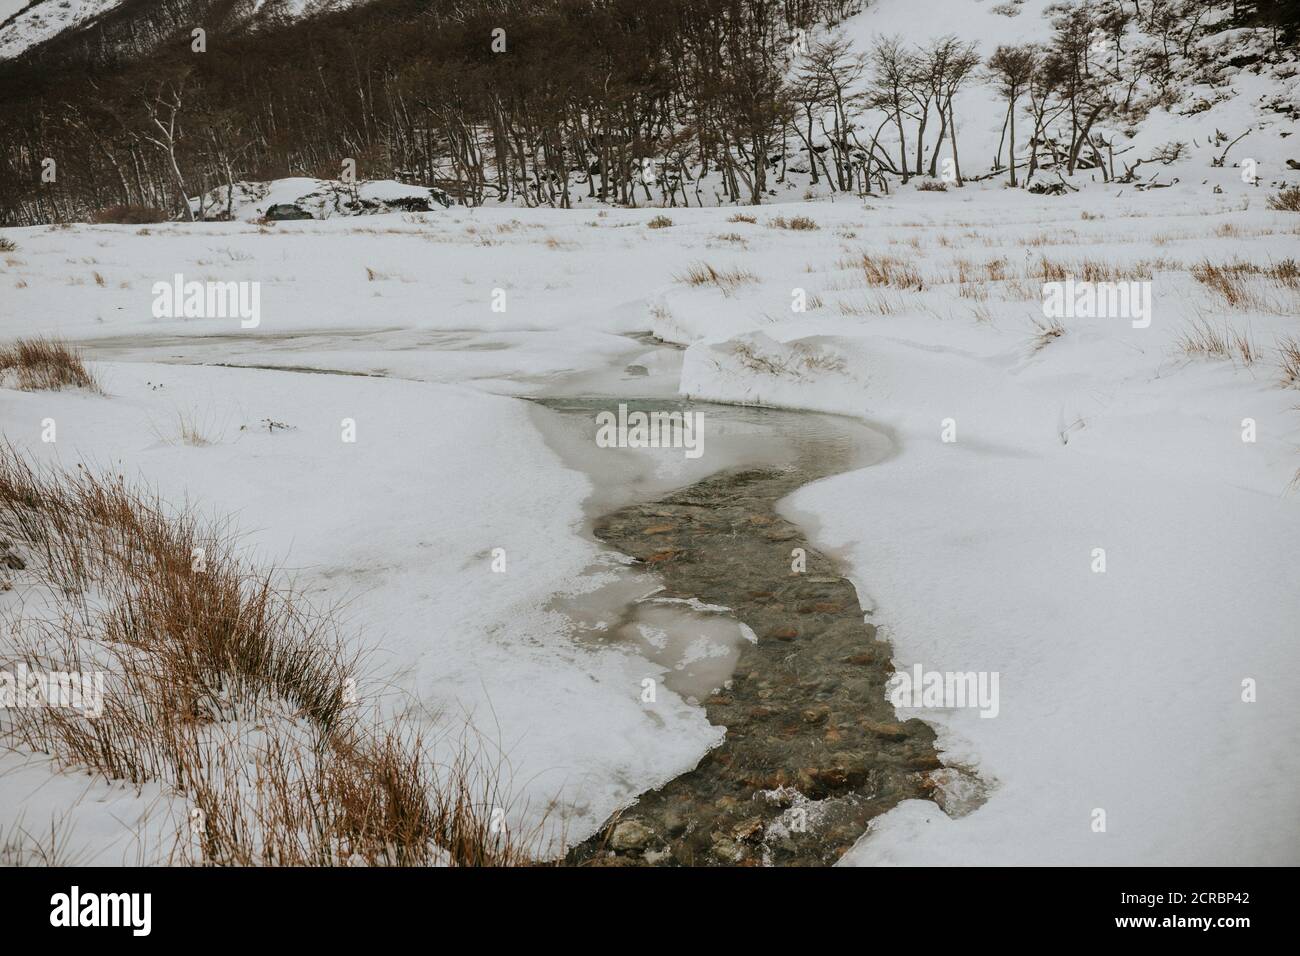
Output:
[[538, 102]]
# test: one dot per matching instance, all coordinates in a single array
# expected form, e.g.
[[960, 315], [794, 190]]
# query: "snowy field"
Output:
[[1022, 446]]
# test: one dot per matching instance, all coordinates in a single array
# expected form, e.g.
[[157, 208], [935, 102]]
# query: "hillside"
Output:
[[664, 104]]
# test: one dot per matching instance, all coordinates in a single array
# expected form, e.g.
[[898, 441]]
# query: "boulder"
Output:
[[286, 210]]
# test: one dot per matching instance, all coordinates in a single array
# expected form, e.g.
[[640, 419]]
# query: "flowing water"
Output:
[[722, 594], [751, 621]]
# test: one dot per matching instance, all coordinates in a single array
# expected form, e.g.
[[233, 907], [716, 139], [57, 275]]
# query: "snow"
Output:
[[401, 525], [28, 23], [320, 198], [1122, 690], [25, 24], [1119, 691]]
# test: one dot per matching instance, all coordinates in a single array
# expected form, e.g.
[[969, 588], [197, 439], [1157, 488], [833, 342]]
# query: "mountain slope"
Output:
[[110, 30]]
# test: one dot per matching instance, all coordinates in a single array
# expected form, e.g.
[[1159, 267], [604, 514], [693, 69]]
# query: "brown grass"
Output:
[[1093, 270], [797, 223], [886, 270], [659, 222], [727, 280], [1047, 331], [224, 686], [1288, 350], [741, 217], [1242, 284], [7, 245], [1209, 341], [880, 305], [797, 359], [973, 278], [1288, 200], [42, 364]]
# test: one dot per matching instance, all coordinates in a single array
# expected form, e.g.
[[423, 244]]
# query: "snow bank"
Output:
[[1121, 691], [302, 198], [400, 527]]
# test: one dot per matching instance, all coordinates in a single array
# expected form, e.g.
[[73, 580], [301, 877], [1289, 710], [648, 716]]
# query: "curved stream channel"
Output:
[[712, 594], [776, 649]]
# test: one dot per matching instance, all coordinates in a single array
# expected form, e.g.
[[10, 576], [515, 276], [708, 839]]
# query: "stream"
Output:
[[746, 618], [719, 590]]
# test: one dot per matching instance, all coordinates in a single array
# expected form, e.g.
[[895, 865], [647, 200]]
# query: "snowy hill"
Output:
[[26, 24], [864, 99]]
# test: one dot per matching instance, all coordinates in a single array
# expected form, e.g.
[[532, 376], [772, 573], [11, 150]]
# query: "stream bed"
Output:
[[755, 624], [717, 588]]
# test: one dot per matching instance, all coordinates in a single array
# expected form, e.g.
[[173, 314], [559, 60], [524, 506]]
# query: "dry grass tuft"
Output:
[[221, 684], [659, 222], [886, 270], [795, 360], [882, 304], [797, 223], [727, 280], [1239, 283], [1288, 200], [1047, 331], [1091, 270], [741, 217], [45, 364], [1208, 341], [1288, 350]]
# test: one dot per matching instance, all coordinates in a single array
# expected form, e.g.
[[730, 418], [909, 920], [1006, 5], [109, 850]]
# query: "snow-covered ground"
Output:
[[24, 23], [1120, 690], [28, 23], [314, 198]]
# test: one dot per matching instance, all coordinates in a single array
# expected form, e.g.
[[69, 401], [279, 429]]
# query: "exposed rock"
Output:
[[286, 211], [885, 731], [816, 715], [806, 716], [748, 831], [727, 850], [630, 835]]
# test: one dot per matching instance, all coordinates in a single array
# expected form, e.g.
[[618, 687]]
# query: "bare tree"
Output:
[[954, 63], [1010, 69], [834, 72], [892, 67], [164, 110]]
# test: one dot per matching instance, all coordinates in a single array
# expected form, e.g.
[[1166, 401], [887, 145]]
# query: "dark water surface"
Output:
[[813, 749]]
